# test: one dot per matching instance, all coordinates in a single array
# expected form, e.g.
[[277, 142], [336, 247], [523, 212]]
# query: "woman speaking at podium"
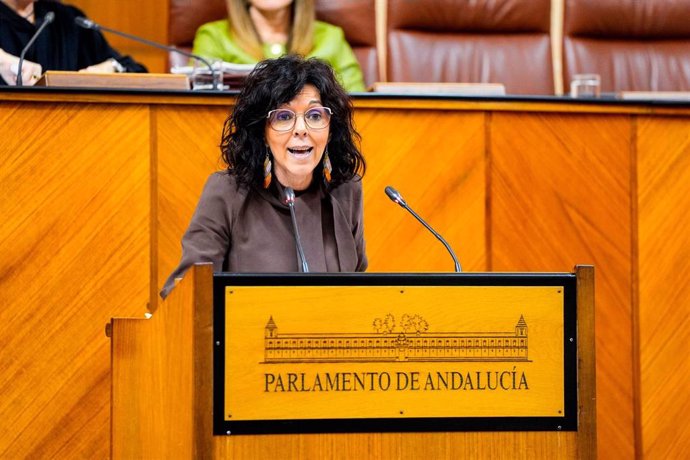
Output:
[[62, 45], [294, 168]]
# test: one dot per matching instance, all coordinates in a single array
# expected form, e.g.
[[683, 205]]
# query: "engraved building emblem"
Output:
[[407, 341]]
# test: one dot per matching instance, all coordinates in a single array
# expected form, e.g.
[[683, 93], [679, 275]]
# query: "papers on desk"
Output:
[[229, 68]]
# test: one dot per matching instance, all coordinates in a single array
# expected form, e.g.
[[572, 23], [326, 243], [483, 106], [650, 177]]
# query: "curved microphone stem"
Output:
[[290, 200], [47, 19], [89, 24], [458, 268], [395, 196]]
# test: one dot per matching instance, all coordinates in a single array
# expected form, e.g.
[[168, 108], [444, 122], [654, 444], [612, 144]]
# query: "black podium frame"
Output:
[[568, 422]]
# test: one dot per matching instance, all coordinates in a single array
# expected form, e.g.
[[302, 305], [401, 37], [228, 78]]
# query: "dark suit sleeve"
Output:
[[358, 227]]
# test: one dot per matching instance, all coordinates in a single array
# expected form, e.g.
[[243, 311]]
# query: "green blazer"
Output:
[[216, 40]]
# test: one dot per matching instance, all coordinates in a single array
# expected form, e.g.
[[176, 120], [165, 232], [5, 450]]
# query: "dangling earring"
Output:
[[327, 168], [267, 169]]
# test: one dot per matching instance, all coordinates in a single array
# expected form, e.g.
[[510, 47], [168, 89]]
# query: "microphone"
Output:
[[47, 19], [290, 201], [396, 197], [89, 24]]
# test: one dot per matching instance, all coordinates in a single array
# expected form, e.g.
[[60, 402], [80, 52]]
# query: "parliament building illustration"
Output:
[[412, 343]]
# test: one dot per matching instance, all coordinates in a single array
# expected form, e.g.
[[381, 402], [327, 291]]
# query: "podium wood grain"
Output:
[[162, 375]]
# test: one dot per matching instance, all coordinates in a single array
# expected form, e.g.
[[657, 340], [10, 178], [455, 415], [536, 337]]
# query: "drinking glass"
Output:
[[585, 85], [204, 78]]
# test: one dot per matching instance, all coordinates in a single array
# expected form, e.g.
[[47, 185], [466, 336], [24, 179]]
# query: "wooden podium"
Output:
[[163, 368]]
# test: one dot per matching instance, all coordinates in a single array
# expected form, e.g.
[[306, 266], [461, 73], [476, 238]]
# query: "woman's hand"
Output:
[[9, 64], [107, 66]]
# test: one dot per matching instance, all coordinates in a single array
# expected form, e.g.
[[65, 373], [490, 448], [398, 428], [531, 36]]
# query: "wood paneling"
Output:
[[152, 366], [560, 195], [440, 175], [663, 148], [185, 158], [75, 251], [146, 19], [512, 186]]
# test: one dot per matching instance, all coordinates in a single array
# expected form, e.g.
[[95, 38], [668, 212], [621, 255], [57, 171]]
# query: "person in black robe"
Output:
[[63, 45]]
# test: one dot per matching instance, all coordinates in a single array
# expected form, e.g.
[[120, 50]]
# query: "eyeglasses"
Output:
[[285, 119]]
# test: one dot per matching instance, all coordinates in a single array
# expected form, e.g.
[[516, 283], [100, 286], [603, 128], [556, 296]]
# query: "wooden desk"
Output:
[[99, 186]]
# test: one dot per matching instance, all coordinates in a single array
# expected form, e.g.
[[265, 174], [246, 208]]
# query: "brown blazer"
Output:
[[250, 230]]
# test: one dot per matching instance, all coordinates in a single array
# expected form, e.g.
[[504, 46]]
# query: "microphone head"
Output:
[[395, 196], [85, 23], [49, 17], [289, 196]]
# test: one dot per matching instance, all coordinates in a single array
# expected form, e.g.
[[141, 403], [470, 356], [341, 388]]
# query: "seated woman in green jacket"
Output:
[[263, 29]]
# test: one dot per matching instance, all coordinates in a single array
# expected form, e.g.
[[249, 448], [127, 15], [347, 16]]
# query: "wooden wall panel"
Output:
[[536, 189], [75, 251], [440, 175], [560, 195], [663, 147], [147, 19]]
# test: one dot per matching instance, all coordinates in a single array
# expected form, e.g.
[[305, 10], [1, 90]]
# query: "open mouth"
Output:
[[300, 152]]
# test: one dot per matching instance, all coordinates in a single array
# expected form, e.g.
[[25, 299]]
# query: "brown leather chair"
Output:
[[480, 41], [356, 17], [634, 45], [185, 18]]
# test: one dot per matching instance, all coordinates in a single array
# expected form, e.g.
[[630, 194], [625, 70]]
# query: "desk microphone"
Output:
[[47, 19], [89, 24], [290, 201], [396, 197]]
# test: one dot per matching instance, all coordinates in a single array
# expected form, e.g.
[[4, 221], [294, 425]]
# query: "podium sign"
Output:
[[387, 352]]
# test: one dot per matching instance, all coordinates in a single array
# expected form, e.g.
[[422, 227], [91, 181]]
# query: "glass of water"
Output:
[[585, 85]]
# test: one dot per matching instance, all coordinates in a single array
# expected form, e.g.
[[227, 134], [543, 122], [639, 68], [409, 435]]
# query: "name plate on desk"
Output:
[[64, 79], [654, 95], [375, 352], [433, 88]]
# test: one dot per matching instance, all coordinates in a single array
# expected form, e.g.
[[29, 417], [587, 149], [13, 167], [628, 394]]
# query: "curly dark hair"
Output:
[[275, 82]]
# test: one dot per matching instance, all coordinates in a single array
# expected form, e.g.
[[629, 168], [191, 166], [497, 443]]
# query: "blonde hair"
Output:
[[300, 39]]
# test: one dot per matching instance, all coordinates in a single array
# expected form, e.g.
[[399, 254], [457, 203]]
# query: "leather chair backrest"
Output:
[[634, 45], [472, 41], [185, 18], [356, 17]]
